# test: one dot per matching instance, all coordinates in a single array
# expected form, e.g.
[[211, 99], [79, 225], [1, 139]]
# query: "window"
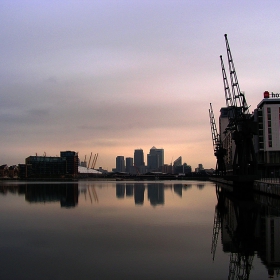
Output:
[[269, 130]]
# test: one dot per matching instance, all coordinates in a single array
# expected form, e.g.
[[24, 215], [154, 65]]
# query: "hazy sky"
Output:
[[109, 77]]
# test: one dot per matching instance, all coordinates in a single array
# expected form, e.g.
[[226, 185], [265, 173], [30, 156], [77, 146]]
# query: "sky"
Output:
[[109, 77]]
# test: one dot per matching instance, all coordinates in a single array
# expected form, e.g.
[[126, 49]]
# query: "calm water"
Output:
[[136, 230]]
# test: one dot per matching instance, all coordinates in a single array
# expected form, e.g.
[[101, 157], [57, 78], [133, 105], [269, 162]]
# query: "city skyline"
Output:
[[109, 76]]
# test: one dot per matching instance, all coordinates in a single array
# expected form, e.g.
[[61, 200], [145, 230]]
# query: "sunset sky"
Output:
[[109, 77]]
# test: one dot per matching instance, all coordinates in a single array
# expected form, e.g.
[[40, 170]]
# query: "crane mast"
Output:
[[219, 151]]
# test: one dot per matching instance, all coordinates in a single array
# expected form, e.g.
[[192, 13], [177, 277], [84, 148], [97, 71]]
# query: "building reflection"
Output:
[[129, 190], [66, 194], [139, 190], [120, 190], [178, 189], [249, 225], [155, 191], [156, 194]]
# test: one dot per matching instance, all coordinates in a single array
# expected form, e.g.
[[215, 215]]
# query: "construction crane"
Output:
[[240, 125], [219, 151]]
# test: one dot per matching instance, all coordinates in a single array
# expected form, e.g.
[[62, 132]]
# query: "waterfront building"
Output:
[[25, 170], [155, 159], [167, 168], [226, 138], [200, 168], [129, 168], [43, 166], [72, 162], [4, 171], [177, 166], [177, 162], [267, 142], [120, 167], [139, 160]]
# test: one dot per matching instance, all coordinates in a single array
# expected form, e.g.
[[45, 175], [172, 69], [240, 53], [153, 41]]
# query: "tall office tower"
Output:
[[139, 158], [129, 165], [178, 161], [72, 160], [177, 166], [120, 167], [155, 159], [152, 162]]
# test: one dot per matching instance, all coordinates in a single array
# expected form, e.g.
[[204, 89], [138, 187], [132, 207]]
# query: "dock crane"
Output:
[[240, 125], [219, 151]]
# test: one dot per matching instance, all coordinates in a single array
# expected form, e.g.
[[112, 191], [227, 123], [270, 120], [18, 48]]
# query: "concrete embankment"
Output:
[[262, 186], [271, 188]]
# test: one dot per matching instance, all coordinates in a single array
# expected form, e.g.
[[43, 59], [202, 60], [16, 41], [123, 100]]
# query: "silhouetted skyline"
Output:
[[110, 76]]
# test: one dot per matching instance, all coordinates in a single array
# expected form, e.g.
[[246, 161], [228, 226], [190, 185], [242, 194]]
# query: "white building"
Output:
[[267, 142]]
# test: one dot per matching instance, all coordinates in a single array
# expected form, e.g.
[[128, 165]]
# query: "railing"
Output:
[[271, 180]]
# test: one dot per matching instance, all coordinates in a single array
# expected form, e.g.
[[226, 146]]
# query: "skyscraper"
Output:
[[139, 158], [129, 165], [120, 167], [155, 159], [178, 161]]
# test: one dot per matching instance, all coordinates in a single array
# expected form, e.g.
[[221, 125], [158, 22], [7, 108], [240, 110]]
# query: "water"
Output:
[[135, 230]]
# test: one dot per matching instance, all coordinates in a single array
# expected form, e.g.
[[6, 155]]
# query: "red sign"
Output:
[[266, 94]]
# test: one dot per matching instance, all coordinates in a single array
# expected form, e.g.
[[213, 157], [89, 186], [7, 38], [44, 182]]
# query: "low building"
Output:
[[43, 166], [72, 162], [25, 170], [13, 171], [4, 171]]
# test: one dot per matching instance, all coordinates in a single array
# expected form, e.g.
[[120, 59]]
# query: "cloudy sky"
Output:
[[109, 77]]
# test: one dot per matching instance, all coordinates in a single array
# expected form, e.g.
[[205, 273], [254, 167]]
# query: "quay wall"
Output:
[[270, 188], [263, 186]]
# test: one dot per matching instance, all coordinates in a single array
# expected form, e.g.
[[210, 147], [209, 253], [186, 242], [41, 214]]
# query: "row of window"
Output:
[[269, 130]]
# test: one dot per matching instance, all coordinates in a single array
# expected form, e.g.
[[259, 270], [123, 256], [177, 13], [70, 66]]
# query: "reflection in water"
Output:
[[66, 194], [248, 224], [129, 190], [114, 239], [200, 186], [156, 193], [178, 189], [120, 190], [139, 190]]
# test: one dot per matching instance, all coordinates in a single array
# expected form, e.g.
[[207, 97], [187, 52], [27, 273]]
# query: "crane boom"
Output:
[[228, 96], [238, 96], [215, 135]]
